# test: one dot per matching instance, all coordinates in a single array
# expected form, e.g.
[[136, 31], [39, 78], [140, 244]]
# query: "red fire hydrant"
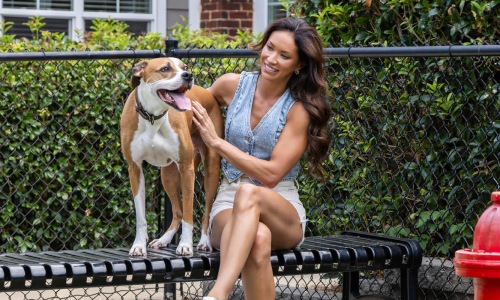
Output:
[[483, 261]]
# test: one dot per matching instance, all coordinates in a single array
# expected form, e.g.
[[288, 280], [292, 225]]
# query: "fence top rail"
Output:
[[414, 51], [340, 52], [350, 52], [78, 55]]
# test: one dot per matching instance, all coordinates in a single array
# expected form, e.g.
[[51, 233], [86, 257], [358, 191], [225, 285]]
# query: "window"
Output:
[[21, 30], [275, 11], [100, 5], [73, 17], [118, 6], [135, 27], [137, 6], [38, 4]]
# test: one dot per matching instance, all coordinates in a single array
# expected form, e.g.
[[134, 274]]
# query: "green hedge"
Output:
[[63, 181], [414, 153], [416, 141], [415, 148], [407, 22]]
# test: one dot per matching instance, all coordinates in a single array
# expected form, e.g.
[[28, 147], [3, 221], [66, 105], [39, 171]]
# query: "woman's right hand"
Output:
[[204, 124]]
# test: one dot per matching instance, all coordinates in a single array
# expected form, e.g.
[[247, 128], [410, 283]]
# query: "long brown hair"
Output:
[[309, 86]]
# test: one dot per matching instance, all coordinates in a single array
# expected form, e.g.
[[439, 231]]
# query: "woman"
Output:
[[273, 117]]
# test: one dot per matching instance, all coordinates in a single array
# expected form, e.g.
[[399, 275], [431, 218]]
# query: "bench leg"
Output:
[[350, 285], [169, 291], [409, 284], [350, 288]]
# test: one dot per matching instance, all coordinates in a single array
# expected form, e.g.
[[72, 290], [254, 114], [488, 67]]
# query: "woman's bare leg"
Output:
[[257, 274], [245, 245]]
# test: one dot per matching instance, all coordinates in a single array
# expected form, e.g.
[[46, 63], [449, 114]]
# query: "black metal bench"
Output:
[[350, 253]]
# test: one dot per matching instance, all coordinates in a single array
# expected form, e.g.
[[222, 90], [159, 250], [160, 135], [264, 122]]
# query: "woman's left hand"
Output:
[[204, 124]]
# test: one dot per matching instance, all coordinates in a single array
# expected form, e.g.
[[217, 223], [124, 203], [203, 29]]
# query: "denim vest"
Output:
[[260, 141]]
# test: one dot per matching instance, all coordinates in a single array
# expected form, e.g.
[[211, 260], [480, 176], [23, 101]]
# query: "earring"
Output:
[[297, 72]]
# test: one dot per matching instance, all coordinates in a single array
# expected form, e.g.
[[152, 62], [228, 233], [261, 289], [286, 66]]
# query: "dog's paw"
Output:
[[206, 248], [138, 250], [204, 244], [184, 249], [157, 244]]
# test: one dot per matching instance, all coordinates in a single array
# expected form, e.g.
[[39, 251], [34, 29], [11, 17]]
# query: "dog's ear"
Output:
[[137, 73]]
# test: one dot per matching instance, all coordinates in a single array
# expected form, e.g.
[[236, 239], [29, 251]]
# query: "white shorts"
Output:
[[227, 192]]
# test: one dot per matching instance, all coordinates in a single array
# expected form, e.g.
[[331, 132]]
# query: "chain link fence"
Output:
[[415, 151]]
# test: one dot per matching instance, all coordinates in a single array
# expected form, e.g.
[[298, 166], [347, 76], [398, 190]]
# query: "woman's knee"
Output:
[[261, 248], [247, 197]]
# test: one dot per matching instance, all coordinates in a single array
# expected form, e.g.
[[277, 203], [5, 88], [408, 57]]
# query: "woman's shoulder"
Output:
[[229, 78], [224, 88], [298, 112], [226, 82]]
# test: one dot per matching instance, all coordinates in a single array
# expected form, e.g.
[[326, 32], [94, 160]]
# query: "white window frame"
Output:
[[194, 11], [157, 22], [260, 11], [260, 15]]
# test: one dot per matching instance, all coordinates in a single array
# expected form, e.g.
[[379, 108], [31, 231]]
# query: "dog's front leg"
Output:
[[185, 246], [211, 183], [171, 181], [138, 189]]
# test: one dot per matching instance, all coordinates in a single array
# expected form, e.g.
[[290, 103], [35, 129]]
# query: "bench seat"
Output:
[[348, 253]]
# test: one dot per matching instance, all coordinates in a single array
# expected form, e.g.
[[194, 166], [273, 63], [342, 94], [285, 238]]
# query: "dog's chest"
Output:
[[157, 144]]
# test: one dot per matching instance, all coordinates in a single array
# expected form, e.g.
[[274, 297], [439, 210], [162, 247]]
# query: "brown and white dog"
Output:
[[156, 126]]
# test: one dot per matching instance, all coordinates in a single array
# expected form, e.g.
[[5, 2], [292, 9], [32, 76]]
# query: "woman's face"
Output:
[[279, 58]]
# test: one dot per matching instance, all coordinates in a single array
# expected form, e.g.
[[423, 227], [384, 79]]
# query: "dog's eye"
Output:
[[165, 69], [185, 67]]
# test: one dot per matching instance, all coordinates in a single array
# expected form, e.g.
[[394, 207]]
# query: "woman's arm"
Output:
[[224, 88], [288, 150]]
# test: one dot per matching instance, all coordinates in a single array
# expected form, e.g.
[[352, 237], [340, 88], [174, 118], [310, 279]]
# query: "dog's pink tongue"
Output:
[[183, 102]]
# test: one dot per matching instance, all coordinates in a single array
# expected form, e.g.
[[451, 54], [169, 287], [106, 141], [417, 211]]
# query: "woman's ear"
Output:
[[299, 68]]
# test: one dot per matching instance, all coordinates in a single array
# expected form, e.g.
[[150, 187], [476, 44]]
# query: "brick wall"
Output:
[[226, 16]]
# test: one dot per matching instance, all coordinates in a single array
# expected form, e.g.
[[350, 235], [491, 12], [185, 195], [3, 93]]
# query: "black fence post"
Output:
[[171, 45], [169, 289]]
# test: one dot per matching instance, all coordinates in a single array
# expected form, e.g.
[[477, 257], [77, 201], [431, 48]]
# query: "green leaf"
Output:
[[433, 12]]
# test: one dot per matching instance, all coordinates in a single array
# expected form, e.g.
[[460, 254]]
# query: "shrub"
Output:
[[64, 183]]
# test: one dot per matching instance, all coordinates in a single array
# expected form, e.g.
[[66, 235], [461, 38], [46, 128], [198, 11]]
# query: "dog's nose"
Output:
[[188, 76]]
